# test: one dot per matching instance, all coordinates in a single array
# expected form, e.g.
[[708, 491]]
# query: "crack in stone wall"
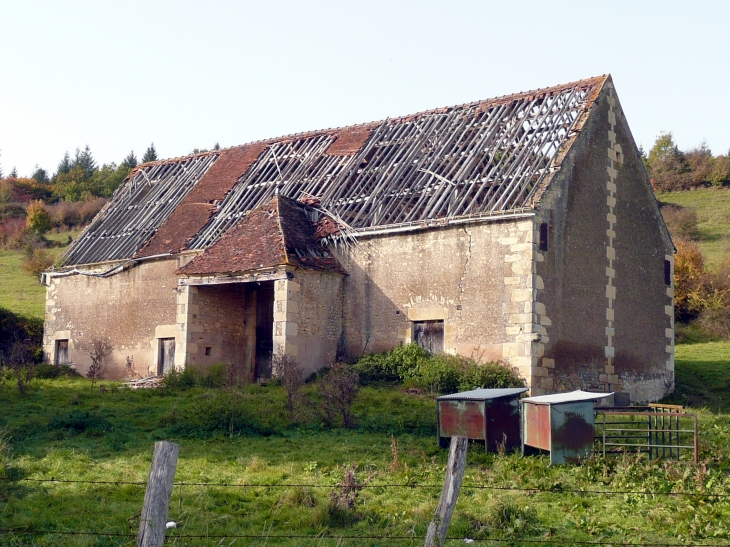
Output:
[[466, 265]]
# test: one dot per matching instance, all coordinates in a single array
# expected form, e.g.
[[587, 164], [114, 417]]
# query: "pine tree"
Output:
[[85, 160], [217, 146], [130, 161], [13, 174], [65, 165], [150, 154], [40, 175]]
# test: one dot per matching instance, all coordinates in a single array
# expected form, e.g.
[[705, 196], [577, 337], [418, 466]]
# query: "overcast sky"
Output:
[[120, 75]]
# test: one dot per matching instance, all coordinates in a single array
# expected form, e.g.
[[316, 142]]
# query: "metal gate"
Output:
[[660, 431]]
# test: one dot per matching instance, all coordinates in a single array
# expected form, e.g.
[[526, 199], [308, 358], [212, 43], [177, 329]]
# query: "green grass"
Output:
[[703, 375], [713, 214], [20, 292], [65, 430]]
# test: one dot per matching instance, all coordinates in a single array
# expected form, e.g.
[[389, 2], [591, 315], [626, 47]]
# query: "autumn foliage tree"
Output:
[[37, 218], [696, 289]]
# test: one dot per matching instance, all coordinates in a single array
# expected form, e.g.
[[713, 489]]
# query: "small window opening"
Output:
[[61, 352], [208, 350], [543, 236], [667, 272]]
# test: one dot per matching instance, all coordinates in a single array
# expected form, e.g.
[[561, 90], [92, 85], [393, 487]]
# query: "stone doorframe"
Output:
[[286, 308]]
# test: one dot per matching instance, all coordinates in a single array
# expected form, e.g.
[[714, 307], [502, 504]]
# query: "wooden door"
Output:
[[61, 352], [166, 360], [264, 329], [429, 335]]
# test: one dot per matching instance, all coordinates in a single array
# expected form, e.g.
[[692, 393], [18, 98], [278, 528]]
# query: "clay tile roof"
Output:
[[281, 232], [467, 160]]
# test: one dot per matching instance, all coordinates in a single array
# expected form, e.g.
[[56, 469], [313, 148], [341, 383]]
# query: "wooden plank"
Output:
[[153, 519], [455, 468]]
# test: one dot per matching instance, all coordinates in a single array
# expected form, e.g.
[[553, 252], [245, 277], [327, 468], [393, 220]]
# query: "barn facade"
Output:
[[521, 229]]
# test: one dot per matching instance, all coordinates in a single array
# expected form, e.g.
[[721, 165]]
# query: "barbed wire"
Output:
[[530, 489], [410, 537]]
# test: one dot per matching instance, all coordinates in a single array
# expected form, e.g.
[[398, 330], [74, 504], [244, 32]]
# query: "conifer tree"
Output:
[[40, 175], [150, 154], [65, 165], [13, 174], [217, 146], [85, 160], [130, 161]]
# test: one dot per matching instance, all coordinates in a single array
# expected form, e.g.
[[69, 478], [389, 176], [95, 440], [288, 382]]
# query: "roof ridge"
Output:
[[312, 133]]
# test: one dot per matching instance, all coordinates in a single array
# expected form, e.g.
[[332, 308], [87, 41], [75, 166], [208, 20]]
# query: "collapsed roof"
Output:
[[281, 232], [473, 159]]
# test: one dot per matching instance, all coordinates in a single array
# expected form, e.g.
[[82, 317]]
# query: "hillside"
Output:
[[23, 293], [713, 214]]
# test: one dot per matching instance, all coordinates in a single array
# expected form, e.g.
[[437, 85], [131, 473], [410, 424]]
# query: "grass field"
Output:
[[23, 293], [63, 429], [703, 375], [713, 215]]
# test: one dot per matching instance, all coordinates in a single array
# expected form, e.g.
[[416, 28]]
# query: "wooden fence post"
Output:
[[157, 495], [449, 494]]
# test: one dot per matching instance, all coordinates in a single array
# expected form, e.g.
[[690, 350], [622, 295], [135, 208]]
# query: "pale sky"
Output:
[[120, 75]]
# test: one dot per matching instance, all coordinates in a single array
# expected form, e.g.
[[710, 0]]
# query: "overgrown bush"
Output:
[[82, 422], [21, 339], [681, 221], [37, 218], [73, 214], [438, 373], [391, 366], [696, 289], [290, 374], [183, 379], [715, 322], [217, 375], [46, 371], [223, 411], [36, 261], [338, 389]]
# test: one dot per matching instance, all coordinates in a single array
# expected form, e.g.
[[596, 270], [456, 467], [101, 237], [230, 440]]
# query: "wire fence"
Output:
[[528, 489], [339, 537], [413, 538]]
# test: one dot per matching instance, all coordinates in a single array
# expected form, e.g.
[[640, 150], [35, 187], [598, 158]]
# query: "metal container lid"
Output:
[[483, 394], [571, 397]]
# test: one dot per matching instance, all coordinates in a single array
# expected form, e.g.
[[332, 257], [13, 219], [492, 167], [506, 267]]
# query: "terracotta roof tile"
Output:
[[197, 207], [278, 233]]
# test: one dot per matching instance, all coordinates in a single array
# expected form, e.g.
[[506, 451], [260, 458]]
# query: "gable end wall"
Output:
[[612, 314]]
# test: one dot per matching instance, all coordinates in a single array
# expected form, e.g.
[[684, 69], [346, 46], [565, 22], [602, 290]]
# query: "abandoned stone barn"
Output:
[[521, 228]]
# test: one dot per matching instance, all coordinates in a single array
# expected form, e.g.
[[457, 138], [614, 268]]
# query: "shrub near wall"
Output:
[[412, 365]]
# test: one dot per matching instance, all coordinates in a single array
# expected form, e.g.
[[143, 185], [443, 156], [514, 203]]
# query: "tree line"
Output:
[[671, 169], [77, 178]]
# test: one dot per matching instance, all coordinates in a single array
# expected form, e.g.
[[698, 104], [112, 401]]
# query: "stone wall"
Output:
[[478, 278], [220, 321], [308, 317], [603, 273], [131, 310]]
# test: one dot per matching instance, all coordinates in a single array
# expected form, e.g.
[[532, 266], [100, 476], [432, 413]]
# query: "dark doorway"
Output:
[[429, 335], [264, 329], [166, 357], [61, 352]]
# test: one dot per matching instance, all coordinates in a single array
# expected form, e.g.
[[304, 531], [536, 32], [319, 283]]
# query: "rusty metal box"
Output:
[[562, 423], [489, 415]]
